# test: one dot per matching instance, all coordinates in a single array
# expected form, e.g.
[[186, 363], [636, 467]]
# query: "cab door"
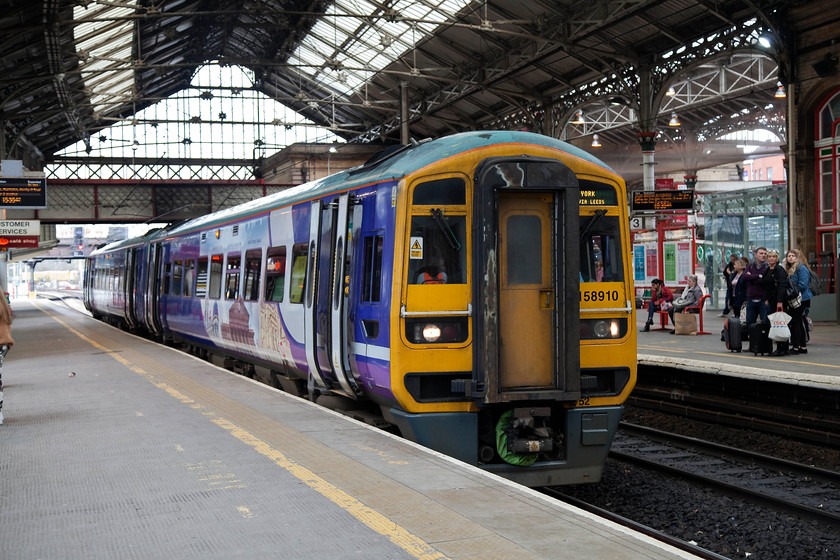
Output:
[[526, 291], [525, 262]]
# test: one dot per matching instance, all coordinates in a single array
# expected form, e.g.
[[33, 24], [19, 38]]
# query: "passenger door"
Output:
[[526, 291]]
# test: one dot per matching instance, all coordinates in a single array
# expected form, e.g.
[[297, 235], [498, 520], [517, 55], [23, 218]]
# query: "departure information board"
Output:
[[663, 201], [23, 192]]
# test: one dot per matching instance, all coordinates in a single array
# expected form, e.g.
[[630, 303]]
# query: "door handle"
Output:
[[547, 299]]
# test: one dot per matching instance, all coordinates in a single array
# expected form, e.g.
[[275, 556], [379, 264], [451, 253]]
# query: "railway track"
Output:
[[785, 486]]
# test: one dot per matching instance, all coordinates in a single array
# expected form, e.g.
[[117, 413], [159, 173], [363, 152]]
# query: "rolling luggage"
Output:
[[732, 334], [760, 342]]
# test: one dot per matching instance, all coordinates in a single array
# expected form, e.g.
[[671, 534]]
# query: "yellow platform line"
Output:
[[398, 535]]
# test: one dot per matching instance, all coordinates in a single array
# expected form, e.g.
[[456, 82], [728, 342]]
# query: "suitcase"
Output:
[[760, 342], [732, 334]]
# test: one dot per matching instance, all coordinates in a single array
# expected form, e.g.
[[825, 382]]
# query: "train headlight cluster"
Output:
[[602, 329], [436, 330]]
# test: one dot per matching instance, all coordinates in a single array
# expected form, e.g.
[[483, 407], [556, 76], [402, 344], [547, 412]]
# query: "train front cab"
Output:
[[502, 386]]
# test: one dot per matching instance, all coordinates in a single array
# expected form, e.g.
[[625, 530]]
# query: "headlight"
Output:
[[437, 330], [431, 333], [602, 329]]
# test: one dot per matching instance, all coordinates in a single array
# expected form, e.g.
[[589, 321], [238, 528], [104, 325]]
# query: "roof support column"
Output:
[[647, 120], [404, 113], [647, 139]]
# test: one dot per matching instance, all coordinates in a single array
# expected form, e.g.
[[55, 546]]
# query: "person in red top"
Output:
[[659, 296]]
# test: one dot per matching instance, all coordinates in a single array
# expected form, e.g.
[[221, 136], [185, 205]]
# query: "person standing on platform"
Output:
[[728, 270], [797, 268], [775, 285], [756, 295], [6, 341], [660, 299], [738, 286]]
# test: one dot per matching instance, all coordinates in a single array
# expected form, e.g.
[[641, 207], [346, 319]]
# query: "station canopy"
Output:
[[354, 69]]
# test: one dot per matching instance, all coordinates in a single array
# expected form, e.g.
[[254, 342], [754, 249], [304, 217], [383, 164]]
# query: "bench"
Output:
[[663, 315]]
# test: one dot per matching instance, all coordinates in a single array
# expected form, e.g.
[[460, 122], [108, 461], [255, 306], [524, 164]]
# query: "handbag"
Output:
[[791, 290], [796, 301], [681, 303], [685, 323], [779, 330]]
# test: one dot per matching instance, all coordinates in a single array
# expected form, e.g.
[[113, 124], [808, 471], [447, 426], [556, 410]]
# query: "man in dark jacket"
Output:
[[728, 270], [756, 293]]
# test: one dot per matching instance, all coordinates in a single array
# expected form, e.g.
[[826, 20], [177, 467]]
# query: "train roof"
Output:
[[398, 163]]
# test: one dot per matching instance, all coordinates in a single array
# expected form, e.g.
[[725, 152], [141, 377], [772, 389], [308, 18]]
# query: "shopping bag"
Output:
[[685, 323], [779, 330]]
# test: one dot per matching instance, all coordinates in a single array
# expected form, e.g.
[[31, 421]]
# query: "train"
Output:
[[475, 291]]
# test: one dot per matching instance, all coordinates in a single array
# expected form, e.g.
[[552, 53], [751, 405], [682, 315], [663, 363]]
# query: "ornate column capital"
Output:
[[690, 181], [647, 139]]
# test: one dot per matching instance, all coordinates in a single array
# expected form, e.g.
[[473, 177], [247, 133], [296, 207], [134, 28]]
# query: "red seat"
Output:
[[663, 315]]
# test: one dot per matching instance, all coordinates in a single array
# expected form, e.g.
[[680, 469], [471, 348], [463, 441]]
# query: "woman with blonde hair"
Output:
[[797, 268], [6, 341]]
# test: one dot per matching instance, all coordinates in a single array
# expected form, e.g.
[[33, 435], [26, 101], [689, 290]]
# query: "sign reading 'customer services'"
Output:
[[20, 233]]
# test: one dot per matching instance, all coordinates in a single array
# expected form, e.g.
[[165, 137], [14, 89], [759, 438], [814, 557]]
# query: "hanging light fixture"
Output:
[[780, 92], [674, 120], [595, 141], [578, 118], [671, 92]]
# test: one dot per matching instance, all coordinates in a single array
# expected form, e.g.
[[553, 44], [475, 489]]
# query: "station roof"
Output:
[[70, 68]]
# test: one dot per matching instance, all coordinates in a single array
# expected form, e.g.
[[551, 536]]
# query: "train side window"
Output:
[[300, 256], [201, 277], [372, 268], [232, 272], [177, 272], [189, 272], [275, 274], [253, 268], [216, 276], [167, 277]]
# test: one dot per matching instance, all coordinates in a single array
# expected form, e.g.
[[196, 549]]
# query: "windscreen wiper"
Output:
[[437, 216]]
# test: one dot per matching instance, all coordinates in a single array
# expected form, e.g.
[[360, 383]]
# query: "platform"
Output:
[[820, 367], [116, 447]]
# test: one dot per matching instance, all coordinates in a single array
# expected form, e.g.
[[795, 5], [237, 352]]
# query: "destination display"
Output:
[[663, 201], [23, 192], [597, 195]]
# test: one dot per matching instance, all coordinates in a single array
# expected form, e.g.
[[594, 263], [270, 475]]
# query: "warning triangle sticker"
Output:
[[416, 245]]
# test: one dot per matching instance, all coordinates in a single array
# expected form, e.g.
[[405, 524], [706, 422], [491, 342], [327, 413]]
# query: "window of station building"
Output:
[[275, 274], [372, 268], [216, 276], [177, 272], [189, 275], [232, 273], [253, 269], [300, 256], [201, 277]]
